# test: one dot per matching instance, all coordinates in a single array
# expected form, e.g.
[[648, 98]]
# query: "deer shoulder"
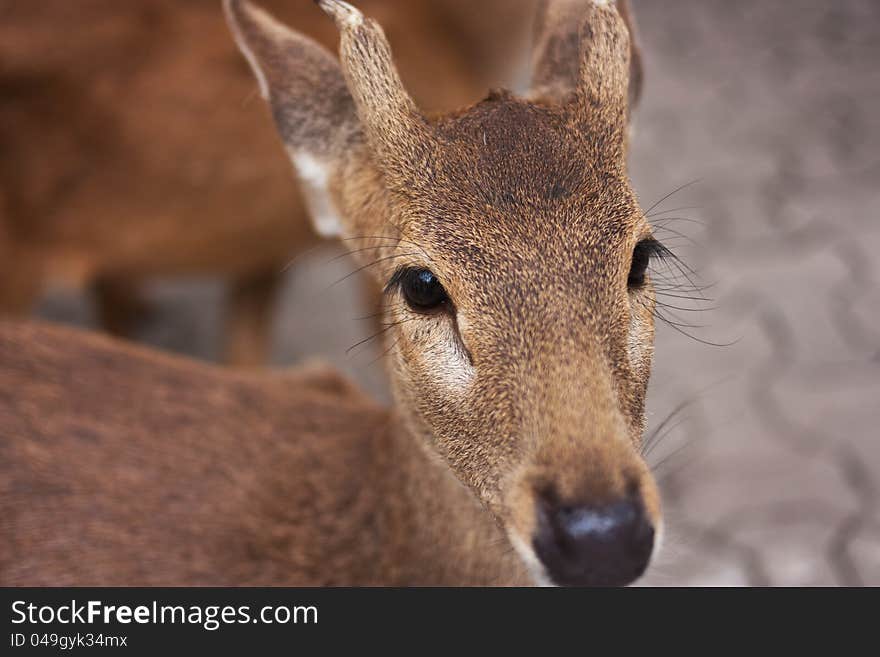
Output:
[[123, 466]]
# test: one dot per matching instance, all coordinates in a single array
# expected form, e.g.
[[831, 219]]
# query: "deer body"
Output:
[[513, 257], [133, 148], [116, 470]]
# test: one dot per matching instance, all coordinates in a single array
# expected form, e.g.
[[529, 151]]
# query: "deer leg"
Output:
[[120, 304], [249, 317]]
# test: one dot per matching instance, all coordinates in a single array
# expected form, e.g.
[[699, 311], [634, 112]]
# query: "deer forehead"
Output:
[[506, 149], [508, 175]]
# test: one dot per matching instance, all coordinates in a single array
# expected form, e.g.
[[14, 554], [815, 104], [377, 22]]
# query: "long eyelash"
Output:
[[678, 282], [373, 264], [656, 249], [395, 279]]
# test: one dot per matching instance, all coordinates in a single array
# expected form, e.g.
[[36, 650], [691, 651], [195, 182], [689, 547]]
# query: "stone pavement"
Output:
[[775, 108], [771, 466]]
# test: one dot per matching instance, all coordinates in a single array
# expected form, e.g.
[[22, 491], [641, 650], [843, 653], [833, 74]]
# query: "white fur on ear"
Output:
[[314, 176], [314, 113]]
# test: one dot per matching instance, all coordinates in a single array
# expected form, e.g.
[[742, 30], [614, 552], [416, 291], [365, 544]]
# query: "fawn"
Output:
[[132, 148], [513, 255]]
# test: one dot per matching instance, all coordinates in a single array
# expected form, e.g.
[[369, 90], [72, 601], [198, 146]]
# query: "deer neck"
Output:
[[436, 531]]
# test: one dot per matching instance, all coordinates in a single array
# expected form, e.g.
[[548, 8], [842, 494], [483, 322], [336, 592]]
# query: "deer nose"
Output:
[[608, 545]]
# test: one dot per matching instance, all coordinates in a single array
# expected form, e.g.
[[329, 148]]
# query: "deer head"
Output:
[[512, 252]]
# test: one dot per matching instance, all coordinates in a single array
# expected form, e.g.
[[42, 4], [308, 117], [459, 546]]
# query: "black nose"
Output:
[[608, 545]]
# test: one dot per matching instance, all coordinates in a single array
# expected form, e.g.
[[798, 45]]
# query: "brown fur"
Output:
[[529, 383], [187, 474], [132, 148]]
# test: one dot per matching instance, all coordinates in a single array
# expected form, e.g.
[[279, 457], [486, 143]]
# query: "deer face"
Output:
[[512, 253]]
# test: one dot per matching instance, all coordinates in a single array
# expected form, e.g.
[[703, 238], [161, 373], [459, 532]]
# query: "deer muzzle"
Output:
[[588, 517]]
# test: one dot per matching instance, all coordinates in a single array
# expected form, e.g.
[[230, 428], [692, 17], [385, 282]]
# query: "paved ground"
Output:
[[771, 470]]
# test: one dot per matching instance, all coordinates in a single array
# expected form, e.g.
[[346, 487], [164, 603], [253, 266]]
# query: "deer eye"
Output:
[[421, 289], [641, 258]]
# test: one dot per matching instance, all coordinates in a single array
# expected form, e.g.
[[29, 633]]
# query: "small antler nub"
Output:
[[343, 13], [391, 121]]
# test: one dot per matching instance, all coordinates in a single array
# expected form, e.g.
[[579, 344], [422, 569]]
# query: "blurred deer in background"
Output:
[[513, 255], [129, 150]]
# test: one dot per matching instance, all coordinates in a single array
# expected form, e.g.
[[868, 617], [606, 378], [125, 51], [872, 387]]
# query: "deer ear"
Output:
[[558, 62], [636, 70], [310, 102]]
